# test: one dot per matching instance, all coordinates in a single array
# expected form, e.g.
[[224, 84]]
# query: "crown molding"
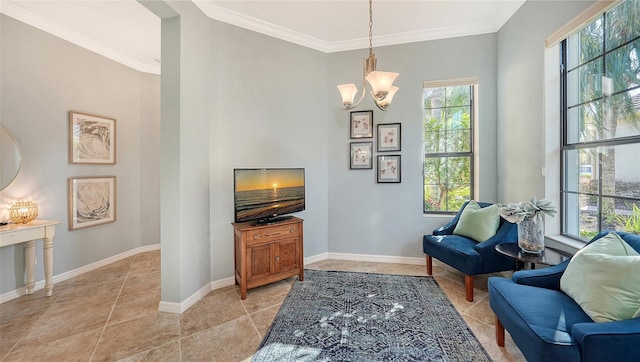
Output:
[[413, 37], [234, 18], [13, 10], [224, 15]]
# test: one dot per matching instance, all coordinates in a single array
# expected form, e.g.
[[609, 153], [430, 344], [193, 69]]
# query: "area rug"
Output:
[[344, 316]]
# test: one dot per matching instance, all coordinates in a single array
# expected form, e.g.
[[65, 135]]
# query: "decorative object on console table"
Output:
[[92, 139], [92, 201], [27, 233], [530, 219], [389, 137], [361, 124], [389, 169], [267, 253], [22, 212], [361, 155]]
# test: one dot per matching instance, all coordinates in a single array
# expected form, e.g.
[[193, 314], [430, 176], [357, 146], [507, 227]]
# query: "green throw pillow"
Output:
[[604, 279], [478, 223]]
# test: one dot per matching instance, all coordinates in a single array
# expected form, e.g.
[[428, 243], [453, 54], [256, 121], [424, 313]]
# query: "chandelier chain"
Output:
[[370, 27]]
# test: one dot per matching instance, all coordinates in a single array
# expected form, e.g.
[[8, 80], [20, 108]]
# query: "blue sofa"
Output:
[[547, 325], [467, 255]]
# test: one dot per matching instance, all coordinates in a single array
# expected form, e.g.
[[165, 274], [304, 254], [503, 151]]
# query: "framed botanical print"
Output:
[[389, 137], [92, 201], [361, 124], [388, 169], [92, 139], [361, 155]]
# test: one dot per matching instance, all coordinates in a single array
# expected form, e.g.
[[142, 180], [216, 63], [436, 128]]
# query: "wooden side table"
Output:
[[28, 234], [549, 256]]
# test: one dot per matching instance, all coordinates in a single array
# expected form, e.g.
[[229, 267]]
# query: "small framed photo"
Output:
[[92, 139], [389, 137], [389, 169], [361, 124], [361, 155], [92, 201]]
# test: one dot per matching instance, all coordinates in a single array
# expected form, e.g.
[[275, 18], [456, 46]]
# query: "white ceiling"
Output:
[[127, 32]]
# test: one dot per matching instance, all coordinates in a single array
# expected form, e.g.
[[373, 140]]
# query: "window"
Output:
[[448, 147], [600, 101]]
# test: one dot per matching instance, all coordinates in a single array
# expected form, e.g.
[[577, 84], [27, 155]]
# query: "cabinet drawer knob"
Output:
[[292, 231]]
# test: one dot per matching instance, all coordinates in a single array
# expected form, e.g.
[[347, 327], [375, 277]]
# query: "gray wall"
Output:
[[387, 219], [42, 78], [520, 95], [269, 110]]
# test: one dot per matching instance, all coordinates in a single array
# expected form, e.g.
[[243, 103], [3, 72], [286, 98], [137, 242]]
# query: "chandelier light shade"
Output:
[[348, 93], [383, 104], [23, 212], [381, 83]]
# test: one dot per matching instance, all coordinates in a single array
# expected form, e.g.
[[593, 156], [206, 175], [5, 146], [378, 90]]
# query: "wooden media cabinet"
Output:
[[267, 253]]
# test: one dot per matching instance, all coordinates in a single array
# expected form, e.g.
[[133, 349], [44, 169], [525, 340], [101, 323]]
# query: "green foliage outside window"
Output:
[[447, 121]]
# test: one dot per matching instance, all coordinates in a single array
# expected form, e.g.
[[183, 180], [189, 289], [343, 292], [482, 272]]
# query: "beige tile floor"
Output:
[[110, 314]]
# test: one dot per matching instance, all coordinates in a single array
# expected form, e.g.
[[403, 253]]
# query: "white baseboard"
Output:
[[5, 297], [316, 258], [378, 258], [179, 308]]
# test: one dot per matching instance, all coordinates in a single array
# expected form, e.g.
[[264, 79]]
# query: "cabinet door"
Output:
[[260, 261], [287, 255]]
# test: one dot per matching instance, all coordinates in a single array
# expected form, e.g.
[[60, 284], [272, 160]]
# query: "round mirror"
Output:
[[10, 158]]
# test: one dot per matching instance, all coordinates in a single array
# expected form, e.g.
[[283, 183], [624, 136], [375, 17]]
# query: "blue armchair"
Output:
[[467, 255], [547, 325]]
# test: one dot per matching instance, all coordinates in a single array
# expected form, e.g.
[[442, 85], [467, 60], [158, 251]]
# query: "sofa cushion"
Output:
[[478, 223], [604, 279]]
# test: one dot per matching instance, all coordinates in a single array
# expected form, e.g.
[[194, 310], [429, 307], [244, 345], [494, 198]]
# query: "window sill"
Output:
[[564, 243], [439, 216]]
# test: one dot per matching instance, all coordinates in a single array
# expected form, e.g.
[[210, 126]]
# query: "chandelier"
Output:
[[381, 83]]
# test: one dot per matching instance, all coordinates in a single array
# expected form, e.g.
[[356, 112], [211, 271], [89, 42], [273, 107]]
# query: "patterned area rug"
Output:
[[343, 316]]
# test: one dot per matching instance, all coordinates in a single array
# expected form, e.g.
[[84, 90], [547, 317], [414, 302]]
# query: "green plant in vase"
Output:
[[530, 219]]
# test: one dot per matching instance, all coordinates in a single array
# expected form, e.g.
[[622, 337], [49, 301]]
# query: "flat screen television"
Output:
[[264, 195]]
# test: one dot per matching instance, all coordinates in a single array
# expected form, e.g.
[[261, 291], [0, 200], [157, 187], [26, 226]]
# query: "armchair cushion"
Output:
[[478, 223], [604, 279]]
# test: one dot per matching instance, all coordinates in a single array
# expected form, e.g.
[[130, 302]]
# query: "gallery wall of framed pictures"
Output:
[[92, 199], [388, 139]]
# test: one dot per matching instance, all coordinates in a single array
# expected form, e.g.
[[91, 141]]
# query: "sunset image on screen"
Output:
[[265, 193], [272, 179]]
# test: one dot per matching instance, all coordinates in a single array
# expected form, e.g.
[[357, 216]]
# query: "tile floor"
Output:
[[110, 314]]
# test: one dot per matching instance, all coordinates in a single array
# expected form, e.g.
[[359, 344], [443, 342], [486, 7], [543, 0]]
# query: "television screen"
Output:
[[265, 194]]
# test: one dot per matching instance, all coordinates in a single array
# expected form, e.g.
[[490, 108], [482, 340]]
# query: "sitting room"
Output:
[[195, 180]]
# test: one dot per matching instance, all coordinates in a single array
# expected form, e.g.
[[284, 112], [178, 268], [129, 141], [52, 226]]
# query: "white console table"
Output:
[[28, 234]]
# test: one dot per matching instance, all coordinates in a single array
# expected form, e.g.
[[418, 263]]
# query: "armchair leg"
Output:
[[429, 265], [468, 283], [499, 333]]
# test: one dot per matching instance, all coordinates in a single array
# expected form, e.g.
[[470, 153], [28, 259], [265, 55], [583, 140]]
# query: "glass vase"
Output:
[[531, 234]]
